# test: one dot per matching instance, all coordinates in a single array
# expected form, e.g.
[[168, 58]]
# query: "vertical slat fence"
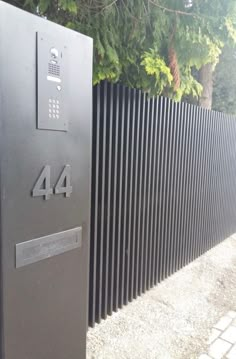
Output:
[[163, 191]]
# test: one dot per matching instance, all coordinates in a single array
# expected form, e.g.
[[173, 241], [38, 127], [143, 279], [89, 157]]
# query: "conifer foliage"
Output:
[[134, 41]]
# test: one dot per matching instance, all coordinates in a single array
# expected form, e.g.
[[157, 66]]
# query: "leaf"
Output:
[[68, 5]]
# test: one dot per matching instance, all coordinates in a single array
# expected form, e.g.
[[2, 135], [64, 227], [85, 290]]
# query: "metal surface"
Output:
[[52, 82], [48, 246], [163, 191], [44, 305]]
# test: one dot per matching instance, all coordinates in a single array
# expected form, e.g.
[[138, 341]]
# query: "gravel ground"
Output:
[[174, 319]]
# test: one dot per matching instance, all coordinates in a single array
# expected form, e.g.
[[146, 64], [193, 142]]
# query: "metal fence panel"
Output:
[[163, 191]]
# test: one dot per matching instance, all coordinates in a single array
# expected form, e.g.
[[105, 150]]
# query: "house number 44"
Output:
[[43, 185]]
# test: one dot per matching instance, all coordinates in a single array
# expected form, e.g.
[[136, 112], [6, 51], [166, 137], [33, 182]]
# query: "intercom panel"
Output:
[[52, 83]]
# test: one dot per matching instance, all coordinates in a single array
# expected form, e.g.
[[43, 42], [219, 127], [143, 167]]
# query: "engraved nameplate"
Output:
[[48, 246]]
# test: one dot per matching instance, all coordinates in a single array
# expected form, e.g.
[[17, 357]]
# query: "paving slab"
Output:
[[219, 348], [232, 353], [229, 334], [215, 333], [223, 323]]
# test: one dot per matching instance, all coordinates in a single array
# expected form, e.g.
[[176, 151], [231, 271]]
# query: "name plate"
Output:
[[45, 247]]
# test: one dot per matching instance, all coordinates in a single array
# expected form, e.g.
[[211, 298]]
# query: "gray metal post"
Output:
[[45, 149]]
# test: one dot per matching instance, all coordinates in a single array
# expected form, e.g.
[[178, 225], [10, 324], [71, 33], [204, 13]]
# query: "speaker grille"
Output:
[[53, 69]]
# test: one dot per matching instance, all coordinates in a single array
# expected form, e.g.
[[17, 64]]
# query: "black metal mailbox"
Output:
[[45, 141]]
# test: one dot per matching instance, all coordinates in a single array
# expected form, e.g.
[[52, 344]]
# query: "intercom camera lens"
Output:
[[54, 53]]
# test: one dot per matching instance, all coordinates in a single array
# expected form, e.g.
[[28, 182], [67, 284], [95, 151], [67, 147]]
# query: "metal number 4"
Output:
[[63, 184], [42, 186]]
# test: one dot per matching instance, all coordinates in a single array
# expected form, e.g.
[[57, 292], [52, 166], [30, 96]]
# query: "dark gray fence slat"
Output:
[[132, 207], [184, 244], [148, 194], [145, 237], [193, 181], [160, 211], [109, 275], [172, 227], [163, 209], [113, 284], [142, 196], [126, 247], [121, 194], [178, 213], [168, 189], [118, 98], [137, 199], [156, 181], [151, 196]]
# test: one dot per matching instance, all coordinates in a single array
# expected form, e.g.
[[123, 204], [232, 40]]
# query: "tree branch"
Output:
[[99, 6], [174, 11]]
